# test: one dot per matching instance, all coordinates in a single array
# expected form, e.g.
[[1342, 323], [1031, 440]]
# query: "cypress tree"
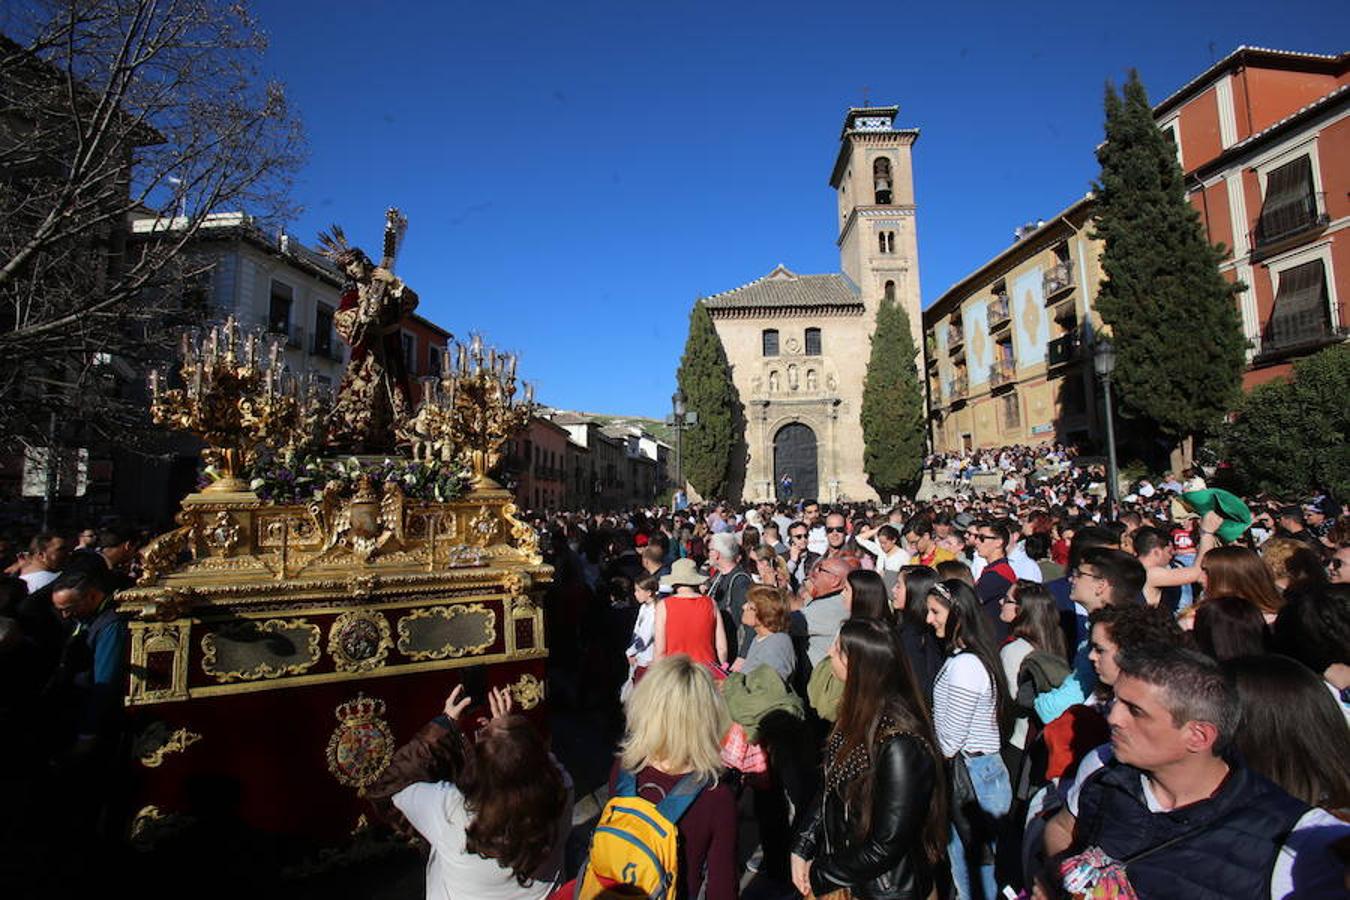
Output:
[[705, 377], [892, 405], [1179, 342]]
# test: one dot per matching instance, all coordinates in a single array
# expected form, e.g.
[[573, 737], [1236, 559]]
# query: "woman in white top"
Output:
[[495, 834], [884, 544], [970, 702]]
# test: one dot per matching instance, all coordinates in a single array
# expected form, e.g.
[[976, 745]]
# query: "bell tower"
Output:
[[873, 181]]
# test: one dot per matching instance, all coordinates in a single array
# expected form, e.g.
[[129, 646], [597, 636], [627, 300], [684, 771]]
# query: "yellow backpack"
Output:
[[634, 851]]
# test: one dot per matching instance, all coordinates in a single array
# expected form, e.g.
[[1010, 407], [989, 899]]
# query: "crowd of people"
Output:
[[1014, 693], [1021, 692]]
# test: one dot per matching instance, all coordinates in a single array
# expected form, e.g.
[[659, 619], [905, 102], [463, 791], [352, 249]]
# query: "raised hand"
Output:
[[500, 702], [456, 702]]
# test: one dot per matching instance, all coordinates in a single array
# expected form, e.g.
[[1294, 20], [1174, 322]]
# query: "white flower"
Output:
[[255, 484]]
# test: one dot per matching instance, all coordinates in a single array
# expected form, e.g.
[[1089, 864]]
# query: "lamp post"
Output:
[[1104, 362], [677, 419], [680, 419]]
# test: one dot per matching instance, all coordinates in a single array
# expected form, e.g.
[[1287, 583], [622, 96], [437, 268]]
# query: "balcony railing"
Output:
[[1289, 219], [1001, 373], [1299, 330], [294, 334], [1000, 311], [1058, 279], [957, 388], [955, 336], [1062, 349]]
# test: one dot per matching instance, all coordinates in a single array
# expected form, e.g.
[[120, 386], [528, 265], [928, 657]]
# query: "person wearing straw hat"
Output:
[[687, 620]]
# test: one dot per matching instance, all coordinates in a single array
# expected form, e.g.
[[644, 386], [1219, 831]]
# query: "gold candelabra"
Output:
[[470, 411], [238, 397]]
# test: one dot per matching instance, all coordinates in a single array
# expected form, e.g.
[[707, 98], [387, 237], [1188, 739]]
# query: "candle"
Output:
[[197, 379], [513, 367], [492, 359], [529, 394], [154, 383]]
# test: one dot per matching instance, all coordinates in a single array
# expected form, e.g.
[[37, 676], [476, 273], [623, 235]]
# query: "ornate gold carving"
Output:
[[143, 821], [483, 526], [362, 744], [516, 583], [359, 641], [411, 636], [470, 412], [178, 741], [151, 639], [528, 691], [367, 523], [217, 643], [161, 554], [223, 535], [235, 403]]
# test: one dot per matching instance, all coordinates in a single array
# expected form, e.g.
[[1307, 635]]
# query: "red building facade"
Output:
[[1264, 138]]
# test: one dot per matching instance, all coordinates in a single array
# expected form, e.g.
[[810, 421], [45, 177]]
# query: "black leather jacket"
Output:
[[890, 863]]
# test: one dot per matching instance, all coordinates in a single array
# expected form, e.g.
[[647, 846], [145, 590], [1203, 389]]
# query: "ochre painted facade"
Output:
[[798, 344]]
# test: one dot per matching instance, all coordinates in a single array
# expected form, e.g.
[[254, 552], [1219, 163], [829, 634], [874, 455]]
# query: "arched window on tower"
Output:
[[881, 241], [769, 340], [889, 292], [813, 342], [881, 179]]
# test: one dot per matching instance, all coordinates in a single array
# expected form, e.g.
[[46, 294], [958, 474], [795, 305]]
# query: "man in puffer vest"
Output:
[[1165, 811]]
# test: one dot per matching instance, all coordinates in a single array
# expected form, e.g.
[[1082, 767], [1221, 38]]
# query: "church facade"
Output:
[[798, 344]]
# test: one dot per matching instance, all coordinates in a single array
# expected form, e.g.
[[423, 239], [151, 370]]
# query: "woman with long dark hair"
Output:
[[1292, 730], [864, 596], [970, 708], [1033, 617], [910, 597], [1229, 627], [878, 828], [1240, 572], [498, 826]]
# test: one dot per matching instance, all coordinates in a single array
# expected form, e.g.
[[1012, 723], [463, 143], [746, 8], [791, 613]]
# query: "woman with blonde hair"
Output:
[[676, 722]]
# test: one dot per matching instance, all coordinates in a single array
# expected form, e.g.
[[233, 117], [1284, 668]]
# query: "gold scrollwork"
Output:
[[178, 741], [359, 641], [143, 820], [261, 667], [516, 583], [408, 628], [528, 691]]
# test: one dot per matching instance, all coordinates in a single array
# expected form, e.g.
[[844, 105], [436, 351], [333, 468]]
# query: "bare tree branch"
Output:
[[113, 111]]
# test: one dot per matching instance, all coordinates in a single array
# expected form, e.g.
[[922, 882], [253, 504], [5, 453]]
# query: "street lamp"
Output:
[[677, 419], [1104, 362]]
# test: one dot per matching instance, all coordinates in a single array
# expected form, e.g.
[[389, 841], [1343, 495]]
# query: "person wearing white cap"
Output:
[[687, 621]]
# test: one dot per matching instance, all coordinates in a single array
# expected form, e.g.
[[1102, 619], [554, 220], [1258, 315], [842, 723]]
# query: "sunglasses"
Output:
[[837, 529]]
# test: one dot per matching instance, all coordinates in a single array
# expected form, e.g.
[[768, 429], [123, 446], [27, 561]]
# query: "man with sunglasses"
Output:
[[800, 559], [836, 540], [991, 544]]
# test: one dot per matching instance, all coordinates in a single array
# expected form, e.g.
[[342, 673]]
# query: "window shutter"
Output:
[[1290, 203], [1300, 312]]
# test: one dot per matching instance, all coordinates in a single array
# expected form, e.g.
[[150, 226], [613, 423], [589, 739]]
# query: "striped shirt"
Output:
[[965, 709]]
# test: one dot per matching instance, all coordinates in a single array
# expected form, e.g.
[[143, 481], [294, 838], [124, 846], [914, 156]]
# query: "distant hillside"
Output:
[[655, 427]]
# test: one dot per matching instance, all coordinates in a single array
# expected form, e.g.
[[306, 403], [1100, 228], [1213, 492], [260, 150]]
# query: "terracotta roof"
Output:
[[784, 288], [1287, 59]]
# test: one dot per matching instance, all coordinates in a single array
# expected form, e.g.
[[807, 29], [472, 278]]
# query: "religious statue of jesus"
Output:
[[374, 396]]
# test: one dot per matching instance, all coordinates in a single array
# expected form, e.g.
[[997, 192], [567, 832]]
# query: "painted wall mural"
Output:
[[1031, 324], [979, 349]]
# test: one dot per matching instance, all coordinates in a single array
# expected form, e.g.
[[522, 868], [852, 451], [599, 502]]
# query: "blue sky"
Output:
[[575, 174]]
